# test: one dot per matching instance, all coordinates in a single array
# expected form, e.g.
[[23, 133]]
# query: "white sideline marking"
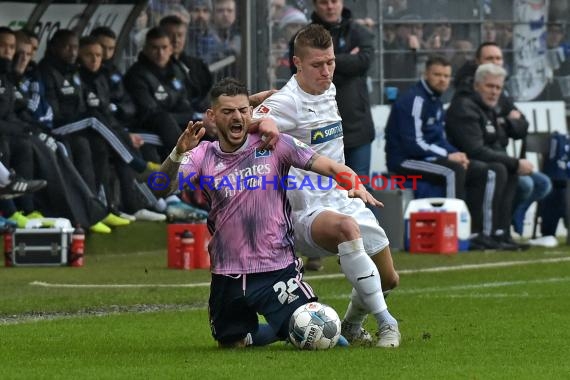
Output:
[[499, 264], [484, 285], [92, 286]]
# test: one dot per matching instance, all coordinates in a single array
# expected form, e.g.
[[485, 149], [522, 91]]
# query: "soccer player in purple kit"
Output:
[[253, 263]]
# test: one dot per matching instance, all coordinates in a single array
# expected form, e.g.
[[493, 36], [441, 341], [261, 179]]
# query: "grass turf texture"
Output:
[[495, 322]]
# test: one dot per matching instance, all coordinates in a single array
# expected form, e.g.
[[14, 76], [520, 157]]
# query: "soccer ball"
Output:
[[314, 326]]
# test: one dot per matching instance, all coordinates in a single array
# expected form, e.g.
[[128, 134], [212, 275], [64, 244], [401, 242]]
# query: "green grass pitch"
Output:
[[124, 315]]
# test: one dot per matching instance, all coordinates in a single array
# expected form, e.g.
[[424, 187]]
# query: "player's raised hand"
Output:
[[191, 136], [267, 129], [366, 197]]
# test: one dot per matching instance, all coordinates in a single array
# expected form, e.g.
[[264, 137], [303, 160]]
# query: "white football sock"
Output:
[[360, 270]]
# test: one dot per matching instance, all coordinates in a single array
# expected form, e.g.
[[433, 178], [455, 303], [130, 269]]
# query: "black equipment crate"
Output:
[[42, 246]]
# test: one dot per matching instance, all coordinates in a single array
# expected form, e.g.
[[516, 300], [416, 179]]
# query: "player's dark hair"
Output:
[[23, 38], [6, 30], [103, 31], [437, 60], [482, 46], [29, 33], [88, 41], [312, 36], [60, 37], [155, 34], [171, 20], [228, 87]]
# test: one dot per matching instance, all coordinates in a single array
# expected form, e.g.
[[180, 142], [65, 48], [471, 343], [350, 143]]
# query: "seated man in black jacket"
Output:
[[198, 76], [474, 127], [157, 86]]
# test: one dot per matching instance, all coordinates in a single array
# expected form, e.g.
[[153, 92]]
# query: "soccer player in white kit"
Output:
[[327, 221]]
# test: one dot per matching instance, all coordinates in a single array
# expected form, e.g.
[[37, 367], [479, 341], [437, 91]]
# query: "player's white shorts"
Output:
[[373, 235]]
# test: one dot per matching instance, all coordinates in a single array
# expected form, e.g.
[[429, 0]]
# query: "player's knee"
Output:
[[347, 229]]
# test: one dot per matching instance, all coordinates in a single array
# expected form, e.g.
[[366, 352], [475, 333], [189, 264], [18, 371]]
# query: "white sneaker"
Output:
[[360, 338], [545, 241], [129, 217], [34, 223], [149, 216], [389, 336]]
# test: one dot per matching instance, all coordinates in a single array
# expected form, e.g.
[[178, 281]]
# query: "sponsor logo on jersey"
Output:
[[299, 143], [326, 133], [262, 153]]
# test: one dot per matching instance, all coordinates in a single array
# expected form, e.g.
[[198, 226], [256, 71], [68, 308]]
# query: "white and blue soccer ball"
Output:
[[314, 326]]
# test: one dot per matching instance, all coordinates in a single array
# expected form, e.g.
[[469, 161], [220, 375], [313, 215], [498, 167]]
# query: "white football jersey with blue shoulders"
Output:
[[314, 120]]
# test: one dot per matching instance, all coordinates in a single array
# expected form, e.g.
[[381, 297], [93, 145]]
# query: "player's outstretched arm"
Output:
[[344, 176], [188, 140]]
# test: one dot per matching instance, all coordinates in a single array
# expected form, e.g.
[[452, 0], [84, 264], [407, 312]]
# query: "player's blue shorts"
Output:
[[235, 301]]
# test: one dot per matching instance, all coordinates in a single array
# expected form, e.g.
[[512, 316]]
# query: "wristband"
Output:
[[175, 157]]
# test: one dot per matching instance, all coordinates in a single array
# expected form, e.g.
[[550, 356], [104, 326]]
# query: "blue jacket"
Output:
[[415, 128]]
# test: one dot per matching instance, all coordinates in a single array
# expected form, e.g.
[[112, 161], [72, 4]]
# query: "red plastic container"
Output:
[[433, 232], [200, 259]]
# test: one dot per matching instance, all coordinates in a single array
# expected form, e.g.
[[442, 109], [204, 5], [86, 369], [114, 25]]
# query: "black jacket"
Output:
[[63, 90], [156, 89], [198, 80], [122, 106], [350, 77], [10, 124], [97, 97], [479, 131]]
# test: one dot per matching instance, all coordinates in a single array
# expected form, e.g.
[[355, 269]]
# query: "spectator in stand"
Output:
[[227, 31], [198, 76], [416, 145], [475, 125], [463, 51], [559, 52], [402, 60], [202, 39], [290, 23], [395, 9]]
